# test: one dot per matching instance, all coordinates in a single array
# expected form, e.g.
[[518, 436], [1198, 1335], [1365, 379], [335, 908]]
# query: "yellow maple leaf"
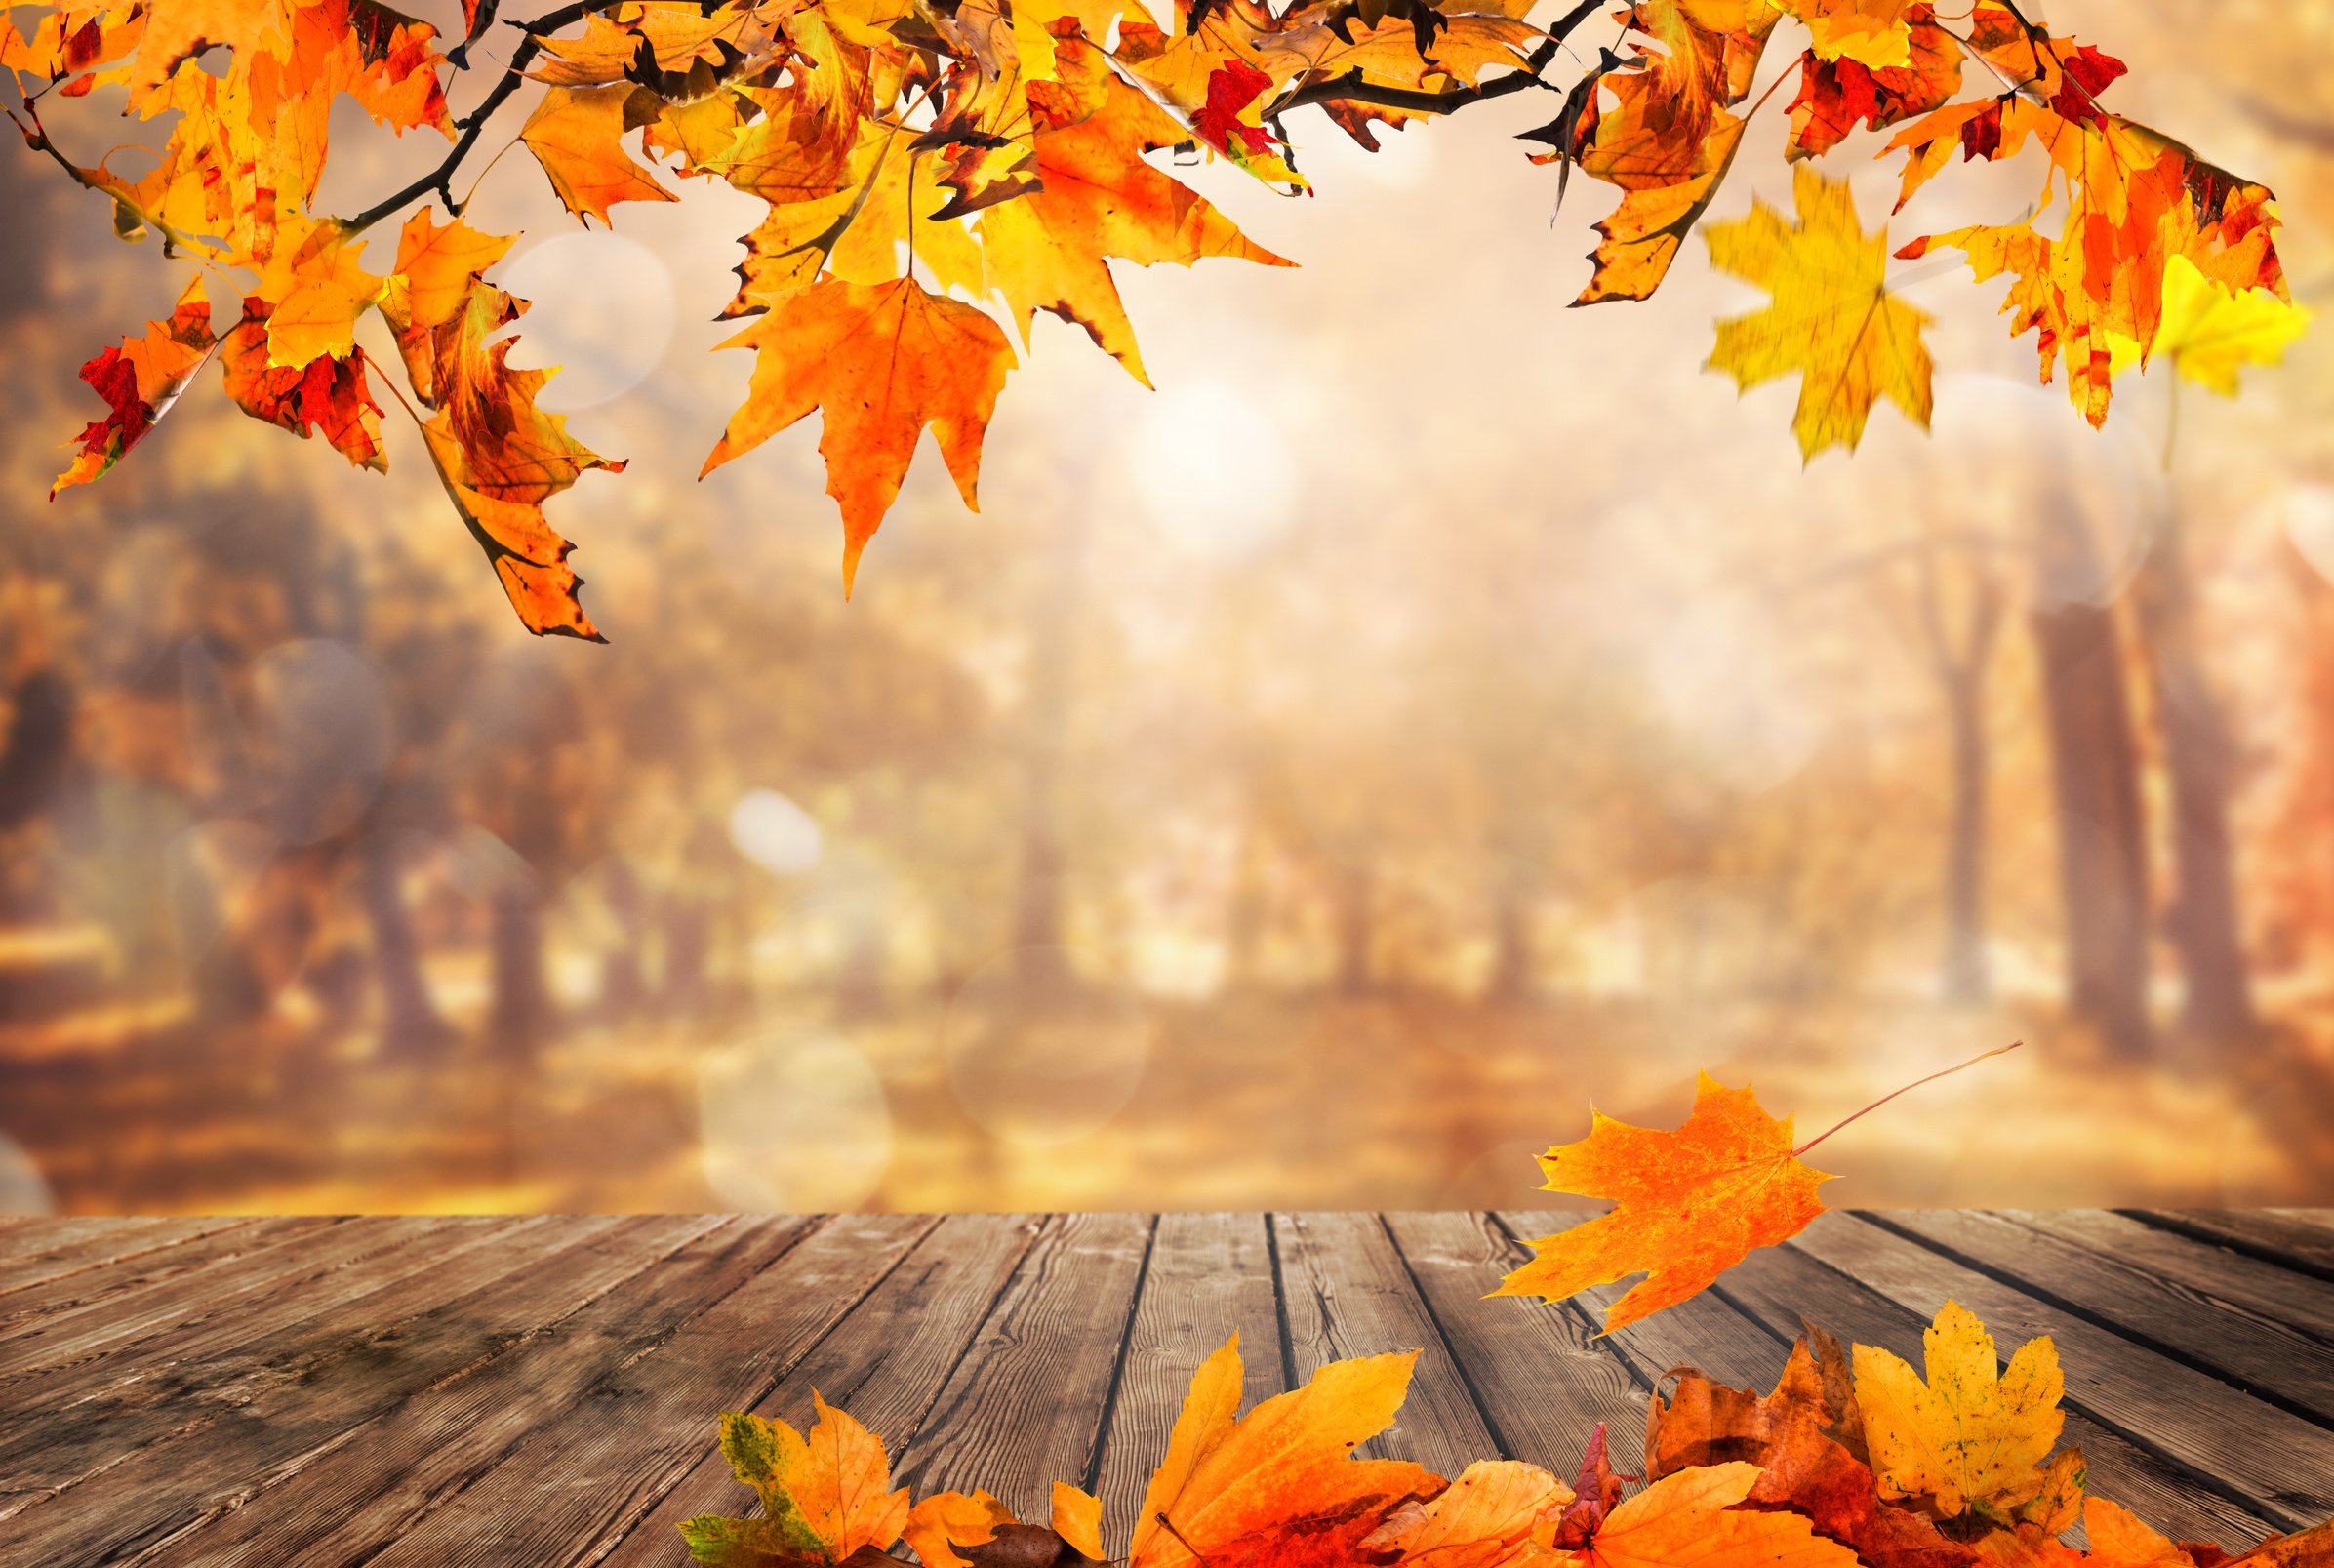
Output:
[[1972, 1437], [2209, 334], [826, 1497], [1832, 319]]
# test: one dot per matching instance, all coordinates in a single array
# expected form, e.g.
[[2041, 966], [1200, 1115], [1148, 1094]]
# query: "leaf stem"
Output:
[[1998, 1050]]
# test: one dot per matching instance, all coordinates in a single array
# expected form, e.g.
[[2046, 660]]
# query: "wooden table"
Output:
[[534, 1392]]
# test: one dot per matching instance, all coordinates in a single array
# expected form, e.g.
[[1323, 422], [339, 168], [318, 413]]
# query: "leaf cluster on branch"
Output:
[[936, 171], [1854, 1458]]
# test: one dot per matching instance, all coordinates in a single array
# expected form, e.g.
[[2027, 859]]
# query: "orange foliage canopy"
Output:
[[929, 173]]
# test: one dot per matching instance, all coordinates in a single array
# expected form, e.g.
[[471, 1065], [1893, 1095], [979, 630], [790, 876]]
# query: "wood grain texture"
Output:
[[435, 1430], [1028, 1404], [36, 1252], [583, 1477], [2134, 1296], [545, 1391], [2299, 1239], [2279, 1464], [1210, 1277], [886, 1363], [265, 1413], [1344, 1292], [1536, 1369]]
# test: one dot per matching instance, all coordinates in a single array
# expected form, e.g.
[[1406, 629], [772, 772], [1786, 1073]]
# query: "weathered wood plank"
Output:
[[885, 1363], [1028, 1403], [182, 1357], [1210, 1277], [2291, 1238], [2280, 1465], [33, 1254], [1541, 1378], [1706, 1331], [2216, 1277], [1781, 1286], [144, 1267], [268, 1415], [578, 1479], [281, 1276], [23, 1234], [384, 1445], [1343, 1292], [2140, 1298]]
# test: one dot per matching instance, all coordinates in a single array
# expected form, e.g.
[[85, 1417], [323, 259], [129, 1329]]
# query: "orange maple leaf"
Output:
[[827, 1498], [883, 361], [1278, 1487], [1691, 1203], [1688, 1520]]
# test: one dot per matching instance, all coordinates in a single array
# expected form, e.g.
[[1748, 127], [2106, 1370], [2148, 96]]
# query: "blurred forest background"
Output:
[[1312, 784]]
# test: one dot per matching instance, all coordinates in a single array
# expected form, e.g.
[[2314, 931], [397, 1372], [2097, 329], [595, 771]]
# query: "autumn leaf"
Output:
[[139, 381], [1832, 319], [576, 133], [824, 1497], [1276, 1488], [1692, 1203], [951, 1530], [1483, 1519], [883, 362], [327, 395], [1808, 1441], [1972, 1438], [1689, 1520], [2211, 335]]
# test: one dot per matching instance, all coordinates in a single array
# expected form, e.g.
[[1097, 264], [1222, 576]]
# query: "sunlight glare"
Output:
[[570, 281], [1215, 470], [793, 1122], [773, 832]]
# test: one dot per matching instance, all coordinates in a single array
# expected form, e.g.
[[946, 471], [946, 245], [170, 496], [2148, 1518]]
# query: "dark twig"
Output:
[[474, 124], [1353, 88]]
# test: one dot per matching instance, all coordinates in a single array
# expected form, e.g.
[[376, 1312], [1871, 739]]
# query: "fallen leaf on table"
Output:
[[1973, 1437], [824, 1498]]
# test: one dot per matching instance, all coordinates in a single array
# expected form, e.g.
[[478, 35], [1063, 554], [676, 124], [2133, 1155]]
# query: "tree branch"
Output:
[[1354, 88], [474, 124]]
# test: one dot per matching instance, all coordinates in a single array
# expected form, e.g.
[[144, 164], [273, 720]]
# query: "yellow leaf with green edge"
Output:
[[2211, 335], [1971, 1438], [1832, 319]]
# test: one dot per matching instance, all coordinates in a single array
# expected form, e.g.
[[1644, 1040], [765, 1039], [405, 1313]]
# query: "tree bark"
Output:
[[2202, 923], [2103, 857], [1356, 929]]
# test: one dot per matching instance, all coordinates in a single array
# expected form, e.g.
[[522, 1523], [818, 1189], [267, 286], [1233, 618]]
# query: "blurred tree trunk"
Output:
[[1511, 937], [1356, 899], [1962, 663], [2103, 856], [2202, 923], [623, 981], [1038, 888], [520, 1017], [409, 1019]]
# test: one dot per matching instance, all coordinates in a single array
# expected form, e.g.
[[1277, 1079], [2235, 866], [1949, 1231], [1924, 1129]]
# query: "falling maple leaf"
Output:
[[139, 381], [825, 1498], [1973, 1436], [1832, 320], [1690, 1204]]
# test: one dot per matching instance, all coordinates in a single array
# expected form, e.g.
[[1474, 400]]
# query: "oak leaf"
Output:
[[1832, 319], [1276, 1488], [882, 362], [1691, 1203], [825, 1498], [1972, 1437]]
